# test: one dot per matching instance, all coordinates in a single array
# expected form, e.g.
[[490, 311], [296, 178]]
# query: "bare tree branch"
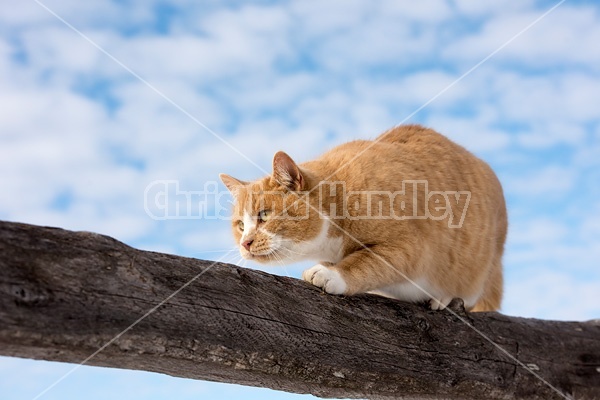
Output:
[[64, 295]]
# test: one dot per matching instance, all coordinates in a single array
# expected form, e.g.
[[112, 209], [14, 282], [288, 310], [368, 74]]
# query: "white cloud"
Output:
[[36, 128], [438, 88], [216, 238], [552, 295], [319, 18], [586, 156], [430, 12], [60, 51], [552, 180], [23, 14], [568, 96], [590, 226], [479, 9], [276, 92], [544, 135], [562, 38], [564, 245], [541, 231], [26, 15], [374, 42], [229, 44], [28, 378], [473, 133]]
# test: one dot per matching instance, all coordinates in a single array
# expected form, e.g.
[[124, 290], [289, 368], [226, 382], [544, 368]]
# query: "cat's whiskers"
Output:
[[237, 259], [233, 258], [225, 252], [278, 257], [284, 254], [291, 255], [220, 251], [292, 251]]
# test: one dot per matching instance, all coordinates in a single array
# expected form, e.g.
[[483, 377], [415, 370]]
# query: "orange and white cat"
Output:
[[410, 215]]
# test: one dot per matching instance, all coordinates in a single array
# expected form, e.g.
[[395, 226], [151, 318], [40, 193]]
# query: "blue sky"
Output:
[[82, 137]]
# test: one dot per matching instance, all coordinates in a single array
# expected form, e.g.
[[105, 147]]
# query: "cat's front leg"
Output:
[[327, 278], [368, 271], [359, 272]]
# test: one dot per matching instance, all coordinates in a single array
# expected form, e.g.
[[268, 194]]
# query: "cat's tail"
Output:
[[492, 294]]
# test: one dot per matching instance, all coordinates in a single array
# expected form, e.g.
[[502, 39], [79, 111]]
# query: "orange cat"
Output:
[[410, 215]]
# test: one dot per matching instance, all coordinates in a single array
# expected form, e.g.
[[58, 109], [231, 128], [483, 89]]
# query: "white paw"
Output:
[[328, 279], [440, 304]]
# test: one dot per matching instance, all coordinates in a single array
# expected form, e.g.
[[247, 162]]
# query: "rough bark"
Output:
[[64, 295]]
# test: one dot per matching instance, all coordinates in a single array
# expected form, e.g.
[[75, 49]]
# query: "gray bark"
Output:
[[64, 295]]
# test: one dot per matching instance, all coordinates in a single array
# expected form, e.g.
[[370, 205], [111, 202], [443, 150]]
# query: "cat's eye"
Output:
[[240, 225], [264, 215]]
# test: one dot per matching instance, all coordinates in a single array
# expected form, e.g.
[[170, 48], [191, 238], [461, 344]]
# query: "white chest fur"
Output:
[[323, 247]]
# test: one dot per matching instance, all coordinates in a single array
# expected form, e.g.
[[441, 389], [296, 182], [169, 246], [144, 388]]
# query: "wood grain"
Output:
[[64, 295]]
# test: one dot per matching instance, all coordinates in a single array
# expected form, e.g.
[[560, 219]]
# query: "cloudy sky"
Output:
[[100, 100]]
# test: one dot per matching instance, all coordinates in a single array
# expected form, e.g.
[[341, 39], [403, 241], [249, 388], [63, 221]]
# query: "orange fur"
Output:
[[382, 255]]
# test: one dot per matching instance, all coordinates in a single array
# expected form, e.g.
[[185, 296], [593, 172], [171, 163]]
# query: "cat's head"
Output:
[[276, 219]]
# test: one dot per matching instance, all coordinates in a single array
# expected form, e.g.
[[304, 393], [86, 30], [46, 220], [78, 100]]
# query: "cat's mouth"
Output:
[[263, 257], [257, 255]]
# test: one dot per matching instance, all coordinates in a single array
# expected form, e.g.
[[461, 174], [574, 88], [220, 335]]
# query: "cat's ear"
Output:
[[232, 184], [286, 172]]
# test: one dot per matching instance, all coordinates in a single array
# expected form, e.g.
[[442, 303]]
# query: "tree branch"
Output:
[[64, 295]]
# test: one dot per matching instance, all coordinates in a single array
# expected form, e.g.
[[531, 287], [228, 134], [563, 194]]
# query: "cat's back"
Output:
[[407, 152], [431, 155], [424, 144], [406, 142]]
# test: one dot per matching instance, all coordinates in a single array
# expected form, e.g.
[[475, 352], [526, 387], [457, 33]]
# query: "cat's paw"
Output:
[[440, 304], [328, 279]]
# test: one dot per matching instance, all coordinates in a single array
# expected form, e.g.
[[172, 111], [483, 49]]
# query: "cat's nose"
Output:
[[247, 244]]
